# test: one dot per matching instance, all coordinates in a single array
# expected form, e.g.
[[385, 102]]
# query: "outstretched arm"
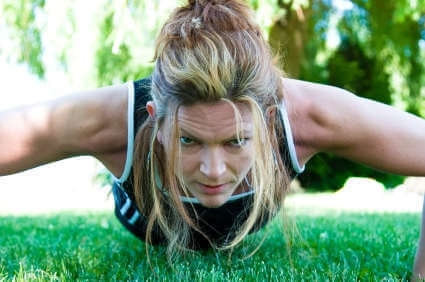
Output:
[[330, 119], [86, 123]]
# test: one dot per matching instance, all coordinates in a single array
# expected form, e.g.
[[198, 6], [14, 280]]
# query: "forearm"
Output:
[[419, 266]]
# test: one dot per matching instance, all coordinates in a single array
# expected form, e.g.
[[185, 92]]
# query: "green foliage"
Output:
[[379, 57], [20, 18], [126, 40], [103, 178], [111, 65], [327, 172], [387, 32], [350, 68]]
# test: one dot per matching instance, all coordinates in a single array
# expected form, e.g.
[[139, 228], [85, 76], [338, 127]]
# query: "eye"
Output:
[[238, 142], [186, 140]]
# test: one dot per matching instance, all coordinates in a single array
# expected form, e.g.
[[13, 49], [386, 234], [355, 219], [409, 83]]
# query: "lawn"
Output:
[[331, 245]]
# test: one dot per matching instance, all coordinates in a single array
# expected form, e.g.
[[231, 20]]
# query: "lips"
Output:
[[212, 186], [212, 189]]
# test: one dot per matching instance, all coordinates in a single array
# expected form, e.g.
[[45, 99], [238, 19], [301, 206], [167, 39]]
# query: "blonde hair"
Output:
[[209, 51]]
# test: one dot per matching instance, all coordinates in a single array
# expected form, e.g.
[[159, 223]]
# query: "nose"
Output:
[[213, 163]]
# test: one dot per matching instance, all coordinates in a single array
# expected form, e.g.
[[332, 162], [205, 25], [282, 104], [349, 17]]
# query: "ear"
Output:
[[270, 112], [159, 136], [150, 107]]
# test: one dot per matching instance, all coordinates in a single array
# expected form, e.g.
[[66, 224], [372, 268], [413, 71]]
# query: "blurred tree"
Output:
[[350, 68], [372, 48], [391, 32], [290, 32], [24, 34], [93, 43]]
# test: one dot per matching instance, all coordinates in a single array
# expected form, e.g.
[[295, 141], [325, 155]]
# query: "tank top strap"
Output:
[[289, 149], [138, 96]]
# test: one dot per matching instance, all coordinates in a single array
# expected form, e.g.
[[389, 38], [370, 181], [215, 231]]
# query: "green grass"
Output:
[[94, 246]]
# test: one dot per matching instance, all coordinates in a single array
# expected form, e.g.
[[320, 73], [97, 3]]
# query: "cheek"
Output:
[[189, 164], [246, 163], [242, 162]]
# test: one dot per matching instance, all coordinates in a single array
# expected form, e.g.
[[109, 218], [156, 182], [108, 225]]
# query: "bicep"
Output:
[[86, 123], [366, 131]]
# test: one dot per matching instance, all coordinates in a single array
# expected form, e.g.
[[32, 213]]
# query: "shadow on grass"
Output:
[[347, 246]]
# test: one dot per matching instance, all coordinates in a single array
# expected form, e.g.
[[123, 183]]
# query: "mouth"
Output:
[[212, 189]]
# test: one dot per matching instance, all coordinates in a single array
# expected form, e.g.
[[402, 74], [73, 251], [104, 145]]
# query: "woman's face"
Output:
[[213, 162]]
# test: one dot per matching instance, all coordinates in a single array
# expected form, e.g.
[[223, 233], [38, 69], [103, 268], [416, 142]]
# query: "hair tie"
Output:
[[196, 22]]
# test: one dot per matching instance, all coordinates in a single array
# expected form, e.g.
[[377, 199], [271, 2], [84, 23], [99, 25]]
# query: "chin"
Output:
[[213, 202]]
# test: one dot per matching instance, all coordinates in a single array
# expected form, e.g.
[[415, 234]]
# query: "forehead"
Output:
[[213, 121]]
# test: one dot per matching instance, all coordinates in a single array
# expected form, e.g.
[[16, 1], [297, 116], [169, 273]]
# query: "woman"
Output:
[[204, 149]]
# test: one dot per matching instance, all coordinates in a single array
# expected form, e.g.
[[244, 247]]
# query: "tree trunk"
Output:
[[288, 36]]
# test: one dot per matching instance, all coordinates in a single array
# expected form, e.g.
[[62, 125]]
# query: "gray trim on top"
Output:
[[290, 139], [130, 135], [194, 200]]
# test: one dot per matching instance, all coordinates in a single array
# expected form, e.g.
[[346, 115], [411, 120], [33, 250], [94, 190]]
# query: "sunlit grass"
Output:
[[330, 246]]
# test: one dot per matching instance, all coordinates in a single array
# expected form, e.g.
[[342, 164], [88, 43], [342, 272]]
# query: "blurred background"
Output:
[[51, 48]]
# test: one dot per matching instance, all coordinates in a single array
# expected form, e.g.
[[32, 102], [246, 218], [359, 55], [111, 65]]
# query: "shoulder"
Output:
[[94, 123], [107, 132], [112, 144], [317, 114], [92, 117], [103, 111]]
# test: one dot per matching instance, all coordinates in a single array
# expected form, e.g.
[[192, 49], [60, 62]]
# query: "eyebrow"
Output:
[[198, 139]]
